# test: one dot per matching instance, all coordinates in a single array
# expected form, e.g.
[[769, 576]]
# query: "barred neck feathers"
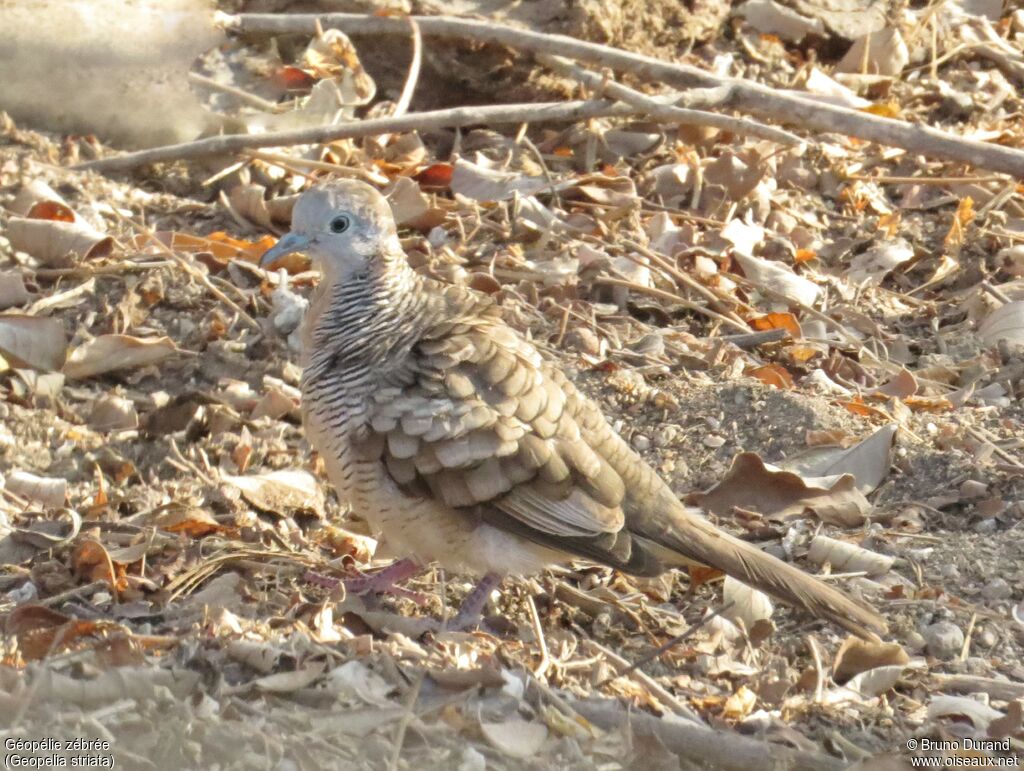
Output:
[[367, 317]]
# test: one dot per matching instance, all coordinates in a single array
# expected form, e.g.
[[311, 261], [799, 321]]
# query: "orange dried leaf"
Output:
[[51, 210], [294, 79], [90, 559], [928, 403], [772, 374], [436, 175], [801, 354], [41, 632], [958, 228], [805, 255], [779, 320], [562, 151], [858, 407], [883, 110], [700, 575], [192, 522], [889, 224]]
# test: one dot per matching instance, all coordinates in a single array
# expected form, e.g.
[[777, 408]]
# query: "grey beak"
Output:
[[292, 242]]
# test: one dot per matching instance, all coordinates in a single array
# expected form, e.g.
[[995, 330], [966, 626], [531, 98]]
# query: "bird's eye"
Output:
[[340, 224]]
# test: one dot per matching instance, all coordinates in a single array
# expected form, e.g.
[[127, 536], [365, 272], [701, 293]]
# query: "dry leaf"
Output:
[[288, 682], [176, 518], [961, 220], [872, 266], [855, 656], [41, 631], [354, 680], [12, 290], [879, 53], [1004, 323], [109, 353], [281, 491], [49, 492], [740, 704], [481, 183], [961, 707], [56, 243], [902, 386], [412, 208], [778, 278], [781, 320], [875, 681], [248, 200], [772, 374], [33, 342], [867, 461], [773, 18], [37, 200], [778, 494], [257, 654], [748, 604], [846, 557], [332, 55], [113, 413], [516, 738]]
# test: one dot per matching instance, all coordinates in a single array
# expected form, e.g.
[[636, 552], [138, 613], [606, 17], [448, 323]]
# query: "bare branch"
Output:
[[458, 116], [604, 87], [741, 95]]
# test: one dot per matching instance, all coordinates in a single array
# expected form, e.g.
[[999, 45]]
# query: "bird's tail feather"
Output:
[[685, 532]]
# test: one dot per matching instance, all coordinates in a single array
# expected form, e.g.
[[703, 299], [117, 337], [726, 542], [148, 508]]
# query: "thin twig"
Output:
[[402, 105], [603, 86], [668, 296], [754, 339], [819, 669], [309, 163], [670, 644], [926, 180], [709, 294], [538, 632], [655, 688], [808, 113], [403, 725], [197, 274], [455, 117], [243, 96]]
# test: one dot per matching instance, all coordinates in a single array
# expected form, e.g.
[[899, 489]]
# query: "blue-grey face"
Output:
[[342, 225]]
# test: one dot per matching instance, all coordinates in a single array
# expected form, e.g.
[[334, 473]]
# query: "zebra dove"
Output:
[[462, 445]]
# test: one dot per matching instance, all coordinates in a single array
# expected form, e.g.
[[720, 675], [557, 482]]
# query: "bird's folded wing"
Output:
[[480, 423]]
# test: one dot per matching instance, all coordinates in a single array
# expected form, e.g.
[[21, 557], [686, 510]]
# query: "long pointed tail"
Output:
[[685, 532]]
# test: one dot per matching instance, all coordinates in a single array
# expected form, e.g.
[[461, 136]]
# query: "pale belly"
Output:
[[422, 528]]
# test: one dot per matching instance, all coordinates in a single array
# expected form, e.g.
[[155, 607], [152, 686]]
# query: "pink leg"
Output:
[[471, 608], [381, 582]]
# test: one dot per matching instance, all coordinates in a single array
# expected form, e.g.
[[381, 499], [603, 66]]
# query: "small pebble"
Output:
[[972, 488], [583, 340], [714, 441], [944, 640], [641, 442], [997, 589], [976, 665], [985, 526], [666, 436], [987, 638], [914, 641], [778, 551]]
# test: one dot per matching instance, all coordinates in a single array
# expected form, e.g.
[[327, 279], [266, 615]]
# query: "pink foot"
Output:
[[470, 611], [382, 582]]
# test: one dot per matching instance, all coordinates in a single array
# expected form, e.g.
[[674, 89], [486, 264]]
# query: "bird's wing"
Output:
[[480, 423]]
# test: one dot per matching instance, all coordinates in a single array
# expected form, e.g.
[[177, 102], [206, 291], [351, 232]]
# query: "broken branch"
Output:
[[449, 118], [741, 95]]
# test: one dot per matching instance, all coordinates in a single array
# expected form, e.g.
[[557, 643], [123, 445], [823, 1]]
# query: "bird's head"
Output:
[[345, 226]]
